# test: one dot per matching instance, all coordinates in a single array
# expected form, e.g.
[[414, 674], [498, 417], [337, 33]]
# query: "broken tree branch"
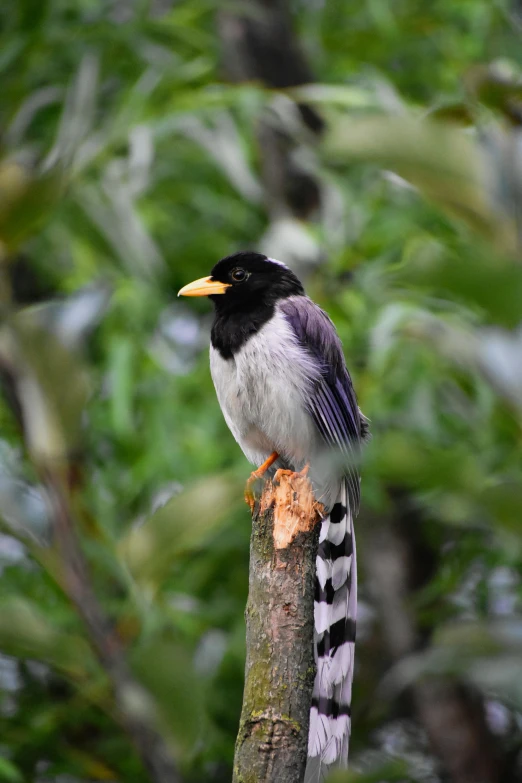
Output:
[[273, 731]]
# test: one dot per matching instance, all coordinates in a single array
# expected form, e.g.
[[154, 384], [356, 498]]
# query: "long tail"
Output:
[[335, 615]]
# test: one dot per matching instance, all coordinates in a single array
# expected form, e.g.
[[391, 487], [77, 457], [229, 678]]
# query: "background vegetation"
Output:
[[373, 145]]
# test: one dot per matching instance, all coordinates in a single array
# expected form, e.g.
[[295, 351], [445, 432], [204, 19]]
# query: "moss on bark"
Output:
[[273, 731]]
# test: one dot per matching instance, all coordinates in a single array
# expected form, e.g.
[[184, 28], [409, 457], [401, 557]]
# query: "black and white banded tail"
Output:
[[335, 611]]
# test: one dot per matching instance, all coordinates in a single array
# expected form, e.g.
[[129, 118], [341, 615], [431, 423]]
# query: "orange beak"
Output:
[[205, 286]]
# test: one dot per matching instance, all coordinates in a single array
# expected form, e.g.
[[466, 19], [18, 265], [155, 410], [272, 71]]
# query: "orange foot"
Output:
[[257, 474]]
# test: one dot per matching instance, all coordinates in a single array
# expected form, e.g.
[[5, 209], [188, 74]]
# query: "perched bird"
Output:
[[287, 397]]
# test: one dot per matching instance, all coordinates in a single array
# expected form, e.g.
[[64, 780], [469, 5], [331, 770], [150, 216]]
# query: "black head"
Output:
[[245, 288], [252, 280]]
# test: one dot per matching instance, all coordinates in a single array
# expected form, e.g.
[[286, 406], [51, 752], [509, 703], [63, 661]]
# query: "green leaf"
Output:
[[121, 357], [165, 668], [183, 524], [440, 159], [26, 199], [504, 502], [51, 386], [489, 283], [26, 632], [9, 772]]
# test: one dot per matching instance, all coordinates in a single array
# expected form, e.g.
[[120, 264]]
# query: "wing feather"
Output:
[[332, 402]]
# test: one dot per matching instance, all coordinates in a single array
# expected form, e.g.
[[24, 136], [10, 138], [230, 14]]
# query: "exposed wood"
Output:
[[273, 732]]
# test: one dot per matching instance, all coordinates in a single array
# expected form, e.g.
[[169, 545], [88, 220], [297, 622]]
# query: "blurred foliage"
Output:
[[128, 166]]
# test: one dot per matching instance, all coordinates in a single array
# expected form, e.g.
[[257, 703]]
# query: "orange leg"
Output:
[[257, 474]]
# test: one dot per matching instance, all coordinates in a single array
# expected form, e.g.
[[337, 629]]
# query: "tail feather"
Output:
[[335, 610]]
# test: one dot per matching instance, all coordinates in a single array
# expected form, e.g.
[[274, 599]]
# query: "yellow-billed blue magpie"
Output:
[[287, 397]]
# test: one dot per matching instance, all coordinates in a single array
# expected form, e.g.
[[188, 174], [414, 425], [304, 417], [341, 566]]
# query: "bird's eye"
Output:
[[238, 275]]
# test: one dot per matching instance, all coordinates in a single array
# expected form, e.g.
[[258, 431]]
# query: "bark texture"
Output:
[[273, 731]]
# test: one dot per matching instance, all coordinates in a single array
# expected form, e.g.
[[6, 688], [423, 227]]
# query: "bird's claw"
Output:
[[249, 491], [255, 475], [300, 474], [260, 472], [282, 472]]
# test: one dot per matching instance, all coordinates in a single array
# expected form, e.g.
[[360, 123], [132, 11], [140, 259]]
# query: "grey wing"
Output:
[[331, 401]]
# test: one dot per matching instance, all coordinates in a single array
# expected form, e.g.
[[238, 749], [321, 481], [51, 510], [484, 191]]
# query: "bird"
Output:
[[287, 397]]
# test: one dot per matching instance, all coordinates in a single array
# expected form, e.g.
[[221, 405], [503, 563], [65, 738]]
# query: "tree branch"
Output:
[[273, 731]]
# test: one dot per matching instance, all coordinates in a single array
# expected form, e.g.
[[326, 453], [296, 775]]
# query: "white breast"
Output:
[[262, 392]]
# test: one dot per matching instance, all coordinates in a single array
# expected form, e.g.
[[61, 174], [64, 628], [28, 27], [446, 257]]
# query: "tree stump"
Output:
[[273, 732]]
